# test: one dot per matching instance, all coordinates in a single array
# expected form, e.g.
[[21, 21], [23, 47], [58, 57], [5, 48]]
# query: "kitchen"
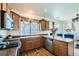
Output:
[[24, 32]]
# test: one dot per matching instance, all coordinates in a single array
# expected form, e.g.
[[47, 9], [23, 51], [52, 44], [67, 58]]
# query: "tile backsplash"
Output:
[[5, 32], [13, 32]]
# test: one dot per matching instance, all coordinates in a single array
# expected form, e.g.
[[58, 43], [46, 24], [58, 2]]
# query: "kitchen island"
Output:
[[62, 46]]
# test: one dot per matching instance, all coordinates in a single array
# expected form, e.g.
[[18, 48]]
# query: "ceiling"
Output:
[[58, 11]]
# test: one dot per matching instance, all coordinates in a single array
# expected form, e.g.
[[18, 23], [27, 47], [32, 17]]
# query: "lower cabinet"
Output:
[[28, 45], [31, 43], [61, 48]]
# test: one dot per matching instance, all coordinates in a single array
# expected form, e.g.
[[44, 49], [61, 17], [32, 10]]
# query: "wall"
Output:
[[60, 25], [76, 24]]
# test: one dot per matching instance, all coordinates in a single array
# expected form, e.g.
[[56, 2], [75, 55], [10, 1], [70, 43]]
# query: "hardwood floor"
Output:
[[37, 52]]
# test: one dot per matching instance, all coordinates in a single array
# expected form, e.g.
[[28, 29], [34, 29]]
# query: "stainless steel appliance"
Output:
[[48, 44]]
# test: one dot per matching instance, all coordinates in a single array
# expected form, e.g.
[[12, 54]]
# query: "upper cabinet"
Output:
[[4, 6], [5, 19], [15, 18], [0, 6], [47, 25], [44, 24], [12, 15]]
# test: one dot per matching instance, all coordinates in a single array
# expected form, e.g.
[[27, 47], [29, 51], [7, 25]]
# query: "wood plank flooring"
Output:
[[37, 52]]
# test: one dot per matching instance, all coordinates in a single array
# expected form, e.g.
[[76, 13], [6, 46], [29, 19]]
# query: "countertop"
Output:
[[60, 38], [46, 36], [10, 51], [13, 51]]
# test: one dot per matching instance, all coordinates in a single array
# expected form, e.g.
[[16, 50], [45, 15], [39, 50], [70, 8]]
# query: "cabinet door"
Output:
[[26, 44], [43, 24], [4, 6], [36, 43], [16, 21], [41, 41], [47, 25], [8, 9], [63, 51], [0, 6], [71, 49], [60, 48], [55, 48]]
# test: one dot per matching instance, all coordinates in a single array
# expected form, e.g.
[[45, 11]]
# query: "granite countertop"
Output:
[[60, 38], [11, 50], [16, 37], [46, 36], [9, 44]]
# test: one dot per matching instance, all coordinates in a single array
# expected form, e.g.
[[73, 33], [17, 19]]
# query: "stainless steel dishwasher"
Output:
[[48, 44]]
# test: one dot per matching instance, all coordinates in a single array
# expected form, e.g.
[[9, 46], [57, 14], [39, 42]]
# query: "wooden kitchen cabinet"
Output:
[[47, 25], [0, 6], [61, 48], [4, 6], [55, 50], [31, 43], [15, 18], [38, 42], [44, 24], [26, 44]]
